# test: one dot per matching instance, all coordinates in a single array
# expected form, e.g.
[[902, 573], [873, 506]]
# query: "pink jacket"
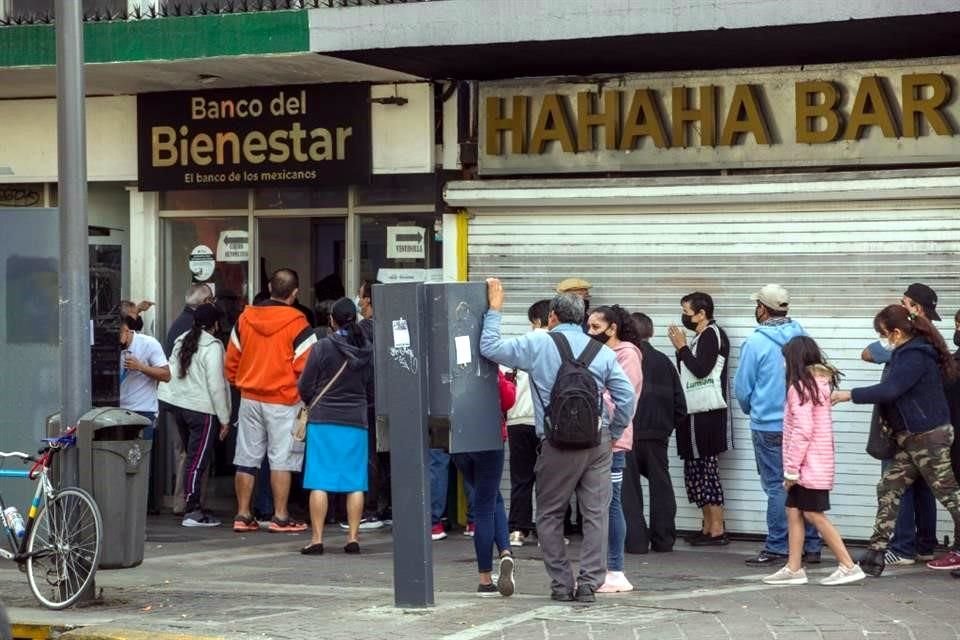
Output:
[[808, 437], [630, 359]]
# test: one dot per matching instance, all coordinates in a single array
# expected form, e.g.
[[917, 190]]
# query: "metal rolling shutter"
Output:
[[841, 261]]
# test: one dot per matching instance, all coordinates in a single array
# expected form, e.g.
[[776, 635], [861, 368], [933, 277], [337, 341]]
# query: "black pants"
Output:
[[649, 459], [197, 432], [524, 448], [371, 503]]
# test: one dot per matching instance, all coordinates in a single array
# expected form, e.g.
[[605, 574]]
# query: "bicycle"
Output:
[[60, 549]]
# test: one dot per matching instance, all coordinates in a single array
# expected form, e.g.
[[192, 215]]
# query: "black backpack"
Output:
[[572, 419]]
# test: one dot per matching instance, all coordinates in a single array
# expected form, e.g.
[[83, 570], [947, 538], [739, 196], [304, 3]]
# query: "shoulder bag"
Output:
[[704, 394], [300, 423]]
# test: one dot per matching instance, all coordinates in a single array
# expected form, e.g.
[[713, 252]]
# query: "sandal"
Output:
[[287, 526], [243, 524], [352, 547], [313, 549]]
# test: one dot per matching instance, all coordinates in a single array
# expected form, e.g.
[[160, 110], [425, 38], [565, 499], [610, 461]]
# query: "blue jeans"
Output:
[[916, 528], [768, 447], [618, 523], [468, 491], [148, 432], [482, 470], [439, 479]]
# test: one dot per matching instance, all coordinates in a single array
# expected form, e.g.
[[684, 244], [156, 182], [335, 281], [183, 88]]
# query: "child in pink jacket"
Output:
[[614, 327], [808, 461]]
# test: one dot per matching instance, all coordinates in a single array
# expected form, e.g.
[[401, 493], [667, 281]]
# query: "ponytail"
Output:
[[189, 346], [896, 316]]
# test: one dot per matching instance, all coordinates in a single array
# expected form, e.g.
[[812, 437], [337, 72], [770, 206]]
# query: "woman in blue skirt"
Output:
[[338, 370]]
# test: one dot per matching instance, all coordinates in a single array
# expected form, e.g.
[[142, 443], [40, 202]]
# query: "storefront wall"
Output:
[[844, 245]]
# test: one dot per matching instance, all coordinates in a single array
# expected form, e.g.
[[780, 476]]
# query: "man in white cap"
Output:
[[578, 287], [761, 389]]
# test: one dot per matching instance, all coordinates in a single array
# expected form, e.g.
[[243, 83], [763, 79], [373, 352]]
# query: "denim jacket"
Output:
[[914, 385]]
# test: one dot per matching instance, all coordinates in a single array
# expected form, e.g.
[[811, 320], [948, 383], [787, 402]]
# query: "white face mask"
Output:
[[886, 344]]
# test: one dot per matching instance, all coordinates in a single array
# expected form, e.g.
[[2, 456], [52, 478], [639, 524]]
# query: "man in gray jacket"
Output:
[[563, 472]]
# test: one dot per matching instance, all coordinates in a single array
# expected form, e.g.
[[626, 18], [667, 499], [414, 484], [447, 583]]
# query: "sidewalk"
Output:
[[214, 583]]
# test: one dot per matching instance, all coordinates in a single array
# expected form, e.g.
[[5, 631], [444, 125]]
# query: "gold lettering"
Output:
[[342, 134], [234, 141], [609, 119], [809, 110], [297, 135], [197, 110], [870, 109], [184, 146], [322, 149], [200, 149], [279, 150], [916, 108], [254, 144], [684, 115], [644, 119], [552, 124], [745, 116], [515, 124], [163, 147]]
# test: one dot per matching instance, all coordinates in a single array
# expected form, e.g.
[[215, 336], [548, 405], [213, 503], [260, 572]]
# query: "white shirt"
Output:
[[138, 391]]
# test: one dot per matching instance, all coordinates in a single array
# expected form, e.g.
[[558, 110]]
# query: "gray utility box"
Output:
[[433, 330], [114, 462]]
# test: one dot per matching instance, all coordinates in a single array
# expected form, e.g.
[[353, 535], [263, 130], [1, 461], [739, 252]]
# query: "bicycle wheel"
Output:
[[64, 548]]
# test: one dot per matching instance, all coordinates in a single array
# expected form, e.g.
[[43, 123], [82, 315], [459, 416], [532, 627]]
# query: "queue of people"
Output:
[[589, 407]]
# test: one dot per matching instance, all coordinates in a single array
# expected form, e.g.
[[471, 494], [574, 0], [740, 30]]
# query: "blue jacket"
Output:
[[536, 354], [760, 384], [914, 385]]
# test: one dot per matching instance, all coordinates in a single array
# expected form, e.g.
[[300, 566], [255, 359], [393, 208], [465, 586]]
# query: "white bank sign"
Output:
[[885, 113]]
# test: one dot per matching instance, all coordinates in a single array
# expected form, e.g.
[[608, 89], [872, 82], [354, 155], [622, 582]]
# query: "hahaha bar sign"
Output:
[[299, 135]]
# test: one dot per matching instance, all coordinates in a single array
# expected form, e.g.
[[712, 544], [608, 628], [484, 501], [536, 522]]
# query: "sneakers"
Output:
[[786, 576], [584, 593], [437, 532], [948, 562], [766, 559], [285, 526], [894, 559], [243, 524], [924, 557], [710, 541], [517, 539], [615, 582], [470, 530], [366, 524], [487, 590], [199, 519], [506, 585], [844, 576]]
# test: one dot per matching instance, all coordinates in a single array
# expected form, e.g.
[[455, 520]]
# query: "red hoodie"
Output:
[[508, 395], [267, 352]]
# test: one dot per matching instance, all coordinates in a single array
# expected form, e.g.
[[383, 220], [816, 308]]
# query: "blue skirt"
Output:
[[336, 458]]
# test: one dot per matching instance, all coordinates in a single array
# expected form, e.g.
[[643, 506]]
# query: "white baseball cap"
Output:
[[773, 296]]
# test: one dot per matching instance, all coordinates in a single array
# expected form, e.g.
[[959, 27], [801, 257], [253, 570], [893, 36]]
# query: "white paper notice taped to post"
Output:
[[401, 333], [462, 344]]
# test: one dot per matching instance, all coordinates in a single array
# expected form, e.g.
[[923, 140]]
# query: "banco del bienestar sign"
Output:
[[868, 114], [260, 136]]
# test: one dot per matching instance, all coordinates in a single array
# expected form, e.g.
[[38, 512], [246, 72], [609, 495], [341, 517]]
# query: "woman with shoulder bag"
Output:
[[914, 389], [703, 372], [334, 387]]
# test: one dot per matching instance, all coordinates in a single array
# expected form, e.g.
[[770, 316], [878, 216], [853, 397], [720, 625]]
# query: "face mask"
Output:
[[601, 337], [688, 322], [138, 324], [956, 338], [886, 344]]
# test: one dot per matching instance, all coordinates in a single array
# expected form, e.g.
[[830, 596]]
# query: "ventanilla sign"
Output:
[[893, 113], [260, 136]]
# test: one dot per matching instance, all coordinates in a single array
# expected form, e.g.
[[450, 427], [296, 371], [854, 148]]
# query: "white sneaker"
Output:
[[844, 576], [506, 583], [615, 582], [370, 524], [894, 559], [199, 519], [785, 576], [516, 539]]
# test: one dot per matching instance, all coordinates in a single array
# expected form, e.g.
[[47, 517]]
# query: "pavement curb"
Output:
[[117, 633]]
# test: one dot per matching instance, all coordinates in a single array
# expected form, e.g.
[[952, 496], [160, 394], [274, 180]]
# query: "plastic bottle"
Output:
[[14, 521]]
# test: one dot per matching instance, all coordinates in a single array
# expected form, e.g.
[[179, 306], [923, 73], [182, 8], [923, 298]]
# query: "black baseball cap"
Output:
[[925, 297]]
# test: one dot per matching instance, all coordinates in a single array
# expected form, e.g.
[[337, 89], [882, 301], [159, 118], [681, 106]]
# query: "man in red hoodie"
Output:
[[268, 350]]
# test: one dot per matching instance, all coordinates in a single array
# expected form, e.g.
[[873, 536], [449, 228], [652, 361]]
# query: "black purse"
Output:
[[880, 442]]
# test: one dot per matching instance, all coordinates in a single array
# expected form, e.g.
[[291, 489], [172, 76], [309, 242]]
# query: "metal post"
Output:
[[75, 374], [402, 398]]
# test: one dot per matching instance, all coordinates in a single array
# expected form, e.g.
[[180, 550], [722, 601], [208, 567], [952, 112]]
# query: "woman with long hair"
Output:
[[614, 327], [808, 461], [200, 396], [339, 367], [920, 418]]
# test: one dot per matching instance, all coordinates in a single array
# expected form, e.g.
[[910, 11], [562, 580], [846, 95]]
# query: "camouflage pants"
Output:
[[920, 455]]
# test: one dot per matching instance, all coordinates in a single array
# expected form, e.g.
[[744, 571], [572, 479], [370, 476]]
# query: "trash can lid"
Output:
[[104, 417]]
